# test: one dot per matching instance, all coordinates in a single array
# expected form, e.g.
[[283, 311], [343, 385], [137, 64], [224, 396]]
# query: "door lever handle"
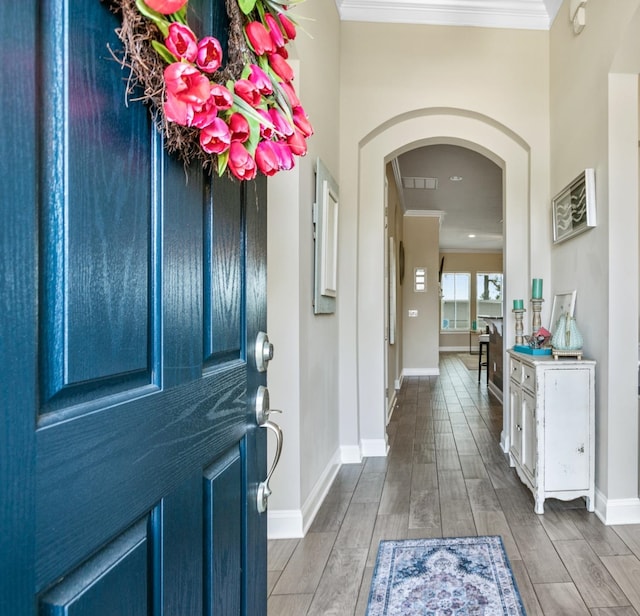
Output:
[[264, 491]]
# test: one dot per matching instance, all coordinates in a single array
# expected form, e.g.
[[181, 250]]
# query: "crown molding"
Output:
[[518, 14]]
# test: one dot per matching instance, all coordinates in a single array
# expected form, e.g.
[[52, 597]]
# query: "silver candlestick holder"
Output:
[[519, 314], [536, 307]]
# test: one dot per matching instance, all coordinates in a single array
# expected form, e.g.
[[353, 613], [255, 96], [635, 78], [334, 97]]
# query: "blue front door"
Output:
[[131, 292]]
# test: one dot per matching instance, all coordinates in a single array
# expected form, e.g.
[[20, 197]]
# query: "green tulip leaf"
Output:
[[223, 159], [254, 136], [163, 52], [154, 16], [246, 6]]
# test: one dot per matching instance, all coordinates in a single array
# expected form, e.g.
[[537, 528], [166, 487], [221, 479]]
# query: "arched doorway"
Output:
[[438, 125]]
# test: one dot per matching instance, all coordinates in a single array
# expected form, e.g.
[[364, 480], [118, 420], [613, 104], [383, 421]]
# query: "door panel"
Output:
[[113, 582], [136, 289]]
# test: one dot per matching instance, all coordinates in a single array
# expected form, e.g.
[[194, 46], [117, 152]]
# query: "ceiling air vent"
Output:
[[420, 183]]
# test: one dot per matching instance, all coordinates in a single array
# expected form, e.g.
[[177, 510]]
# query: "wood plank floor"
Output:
[[447, 476]]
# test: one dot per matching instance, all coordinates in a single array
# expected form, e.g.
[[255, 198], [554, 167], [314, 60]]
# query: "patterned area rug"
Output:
[[463, 576]]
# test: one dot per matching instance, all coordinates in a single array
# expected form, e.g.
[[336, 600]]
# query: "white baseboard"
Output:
[[285, 524], [398, 382], [350, 454], [617, 511], [420, 372], [374, 448], [454, 349], [294, 523]]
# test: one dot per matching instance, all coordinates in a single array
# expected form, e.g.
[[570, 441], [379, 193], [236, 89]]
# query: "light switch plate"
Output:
[[413, 313]]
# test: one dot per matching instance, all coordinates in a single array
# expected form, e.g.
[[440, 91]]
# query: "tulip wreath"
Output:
[[239, 114]]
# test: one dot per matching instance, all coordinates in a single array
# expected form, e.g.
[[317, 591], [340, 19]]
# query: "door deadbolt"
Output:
[[263, 351]]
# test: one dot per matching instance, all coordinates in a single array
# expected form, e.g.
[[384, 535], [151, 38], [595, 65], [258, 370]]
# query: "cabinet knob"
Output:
[[519, 428], [581, 449]]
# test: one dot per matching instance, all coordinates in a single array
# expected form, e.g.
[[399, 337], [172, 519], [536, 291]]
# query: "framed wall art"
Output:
[[574, 208]]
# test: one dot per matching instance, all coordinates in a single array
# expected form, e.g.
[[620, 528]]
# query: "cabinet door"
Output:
[[566, 395], [516, 422], [529, 436]]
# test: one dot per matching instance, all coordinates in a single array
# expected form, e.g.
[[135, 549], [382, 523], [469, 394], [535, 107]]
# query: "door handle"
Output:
[[264, 491], [262, 419]]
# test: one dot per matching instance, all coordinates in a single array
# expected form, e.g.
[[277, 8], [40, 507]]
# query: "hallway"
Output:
[[447, 476]]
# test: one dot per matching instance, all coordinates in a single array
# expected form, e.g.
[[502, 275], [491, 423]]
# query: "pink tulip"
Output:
[[260, 80], [239, 127], [284, 154], [248, 92], [280, 123], [165, 7], [266, 126], [266, 158], [215, 138], [222, 98], [178, 111], [301, 121], [274, 31], [209, 54], [241, 163], [206, 114], [288, 26], [182, 42], [297, 143], [280, 67], [187, 83], [290, 92], [259, 38]]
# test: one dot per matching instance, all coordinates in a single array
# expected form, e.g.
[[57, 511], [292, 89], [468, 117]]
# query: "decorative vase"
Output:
[[567, 336]]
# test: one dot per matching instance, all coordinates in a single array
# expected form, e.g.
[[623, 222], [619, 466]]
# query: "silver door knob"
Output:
[[263, 351]]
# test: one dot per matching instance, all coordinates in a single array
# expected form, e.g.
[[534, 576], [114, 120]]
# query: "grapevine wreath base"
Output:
[[266, 123]]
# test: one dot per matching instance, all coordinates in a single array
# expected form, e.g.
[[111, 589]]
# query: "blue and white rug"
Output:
[[462, 576]]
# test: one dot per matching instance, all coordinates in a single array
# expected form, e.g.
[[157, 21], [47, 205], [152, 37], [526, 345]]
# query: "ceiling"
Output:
[[473, 205], [464, 187]]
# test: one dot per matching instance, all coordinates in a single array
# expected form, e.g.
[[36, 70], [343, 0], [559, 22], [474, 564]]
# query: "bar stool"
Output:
[[483, 343]]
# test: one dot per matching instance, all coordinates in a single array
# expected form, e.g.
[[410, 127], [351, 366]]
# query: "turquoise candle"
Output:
[[518, 304], [536, 288]]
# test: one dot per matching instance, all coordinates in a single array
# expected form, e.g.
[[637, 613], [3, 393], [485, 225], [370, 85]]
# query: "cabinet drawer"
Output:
[[529, 378], [515, 370]]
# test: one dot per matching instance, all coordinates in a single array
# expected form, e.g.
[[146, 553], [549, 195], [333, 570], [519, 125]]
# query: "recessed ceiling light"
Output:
[[456, 178], [471, 235]]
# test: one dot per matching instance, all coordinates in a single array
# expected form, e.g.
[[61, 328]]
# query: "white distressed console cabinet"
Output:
[[552, 421]]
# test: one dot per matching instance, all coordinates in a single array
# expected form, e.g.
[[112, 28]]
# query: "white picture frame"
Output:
[[325, 235], [563, 303]]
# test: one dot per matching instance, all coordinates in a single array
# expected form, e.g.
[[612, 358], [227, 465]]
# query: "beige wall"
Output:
[[420, 354], [594, 123], [474, 263], [303, 377]]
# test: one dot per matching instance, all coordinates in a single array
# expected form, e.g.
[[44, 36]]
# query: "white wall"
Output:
[[303, 377], [594, 123]]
